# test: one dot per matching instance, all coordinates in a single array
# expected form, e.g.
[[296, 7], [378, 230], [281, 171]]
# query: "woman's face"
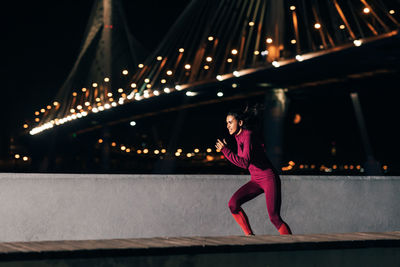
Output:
[[233, 124]]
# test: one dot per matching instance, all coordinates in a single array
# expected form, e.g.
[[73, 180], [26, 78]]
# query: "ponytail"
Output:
[[250, 116]]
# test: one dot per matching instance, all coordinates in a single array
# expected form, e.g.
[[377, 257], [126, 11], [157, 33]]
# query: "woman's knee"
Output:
[[233, 205]]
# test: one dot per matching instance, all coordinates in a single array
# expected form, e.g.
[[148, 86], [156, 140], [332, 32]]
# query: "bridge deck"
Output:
[[193, 245]]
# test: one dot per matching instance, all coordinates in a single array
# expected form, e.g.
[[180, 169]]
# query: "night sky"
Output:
[[42, 41]]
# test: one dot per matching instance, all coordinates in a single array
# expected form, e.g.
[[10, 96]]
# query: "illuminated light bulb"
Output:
[[130, 96], [187, 66], [55, 103], [251, 24], [236, 73], [342, 27], [292, 8], [156, 92], [188, 155], [79, 107], [210, 38], [219, 77], [87, 103], [156, 152], [209, 59], [179, 150], [84, 90], [147, 80], [107, 106], [98, 104], [145, 151], [264, 53], [357, 42], [206, 67], [74, 117], [128, 150], [43, 110], [109, 94], [229, 60], [159, 58], [275, 64], [256, 52], [299, 58], [146, 95], [133, 85], [101, 108], [293, 41], [234, 51], [125, 72], [120, 90], [148, 85], [169, 72], [140, 66], [167, 90], [79, 115], [220, 94], [111, 99], [190, 93], [181, 50], [95, 110], [132, 123], [123, 148], [48, 107], [317, 26], [114, 104], [196, 150], [84, 113], [26, 126], [234, 85], [17, 156], [218, 150], [269, 40], [98, 99], [37, 113], [100, 141], [366, 10], [94, 84], [163, 81], [113, 144], [137, 97], [25, 158], [72, 110], [163, 151], [74, 94], [391, 12], [106, 79], [178, 87], [177, 154]]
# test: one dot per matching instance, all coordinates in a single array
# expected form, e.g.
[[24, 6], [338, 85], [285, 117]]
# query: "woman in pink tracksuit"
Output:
[[264, 179]]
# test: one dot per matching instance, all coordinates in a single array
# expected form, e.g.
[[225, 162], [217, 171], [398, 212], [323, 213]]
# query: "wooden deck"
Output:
[[193, 245]]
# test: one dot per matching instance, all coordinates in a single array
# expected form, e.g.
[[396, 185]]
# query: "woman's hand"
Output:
[[219, 145]]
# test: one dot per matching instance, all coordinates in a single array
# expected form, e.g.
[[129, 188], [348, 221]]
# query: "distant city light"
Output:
[[167, 90], [125, 72], [147, 80], [366, 10], [163, 81], [140, 66], [293, 41], [220, 94], [169, 72], [391, 12], [132, 123], [159, 58], [275, 64], [187, 66], [299, 58], [106, 79], [210, 38], [209, 59], [25, 158], [94, 85], [156, 93], [234, 51], [342, 27], [317, 26], [251, 23], [17, 156], [229, 60], [269, 40], [109, 94], [219, 77], [264, 53], [292, 8], [178, 87], [256, 52], [181, 50], [133, 85], [236, 73]]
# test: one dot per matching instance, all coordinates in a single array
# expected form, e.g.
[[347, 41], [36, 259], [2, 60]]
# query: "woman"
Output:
[[264, 179]]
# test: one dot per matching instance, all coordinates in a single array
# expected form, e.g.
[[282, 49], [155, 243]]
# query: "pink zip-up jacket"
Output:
[[250, 155]]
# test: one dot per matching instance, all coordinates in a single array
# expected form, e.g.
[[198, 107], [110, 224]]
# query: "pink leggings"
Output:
[[271, 186]]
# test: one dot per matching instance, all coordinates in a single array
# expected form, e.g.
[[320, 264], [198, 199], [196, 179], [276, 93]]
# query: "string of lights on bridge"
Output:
[[143, 85]]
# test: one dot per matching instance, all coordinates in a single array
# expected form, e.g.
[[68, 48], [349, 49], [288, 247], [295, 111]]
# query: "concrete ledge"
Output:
[[77, 207]]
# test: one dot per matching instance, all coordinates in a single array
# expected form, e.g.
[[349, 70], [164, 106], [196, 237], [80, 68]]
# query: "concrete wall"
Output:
[[74, 206]]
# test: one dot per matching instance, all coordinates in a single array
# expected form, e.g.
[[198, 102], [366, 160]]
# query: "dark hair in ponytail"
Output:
[[250, 116]]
